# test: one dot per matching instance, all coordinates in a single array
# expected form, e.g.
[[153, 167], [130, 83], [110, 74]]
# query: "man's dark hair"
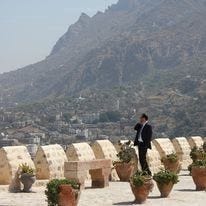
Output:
[[145, 117]]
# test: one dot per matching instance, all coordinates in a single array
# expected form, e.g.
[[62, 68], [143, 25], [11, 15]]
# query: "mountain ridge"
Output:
[[117, 47]]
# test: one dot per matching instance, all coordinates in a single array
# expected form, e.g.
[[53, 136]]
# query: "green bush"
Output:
[[199, 163], [165, 177], [52, 189], [198, 153], [126, 153], [139, 178], [171, 157]]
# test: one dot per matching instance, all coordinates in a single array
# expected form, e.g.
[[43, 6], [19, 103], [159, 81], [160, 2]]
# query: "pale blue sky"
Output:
[[30, 28]]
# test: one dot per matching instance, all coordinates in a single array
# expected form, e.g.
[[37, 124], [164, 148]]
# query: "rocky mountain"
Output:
[[155, 47]]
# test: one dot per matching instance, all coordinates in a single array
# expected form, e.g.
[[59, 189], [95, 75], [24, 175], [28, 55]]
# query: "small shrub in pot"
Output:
[[125, 165], [27, 176], [141, 184], [198, 172], [171, 162], [165, 180], [62, 192]]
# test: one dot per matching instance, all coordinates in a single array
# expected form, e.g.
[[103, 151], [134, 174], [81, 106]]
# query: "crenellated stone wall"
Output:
[[182, 149], [49, 162], [10, 160], [104, 149]]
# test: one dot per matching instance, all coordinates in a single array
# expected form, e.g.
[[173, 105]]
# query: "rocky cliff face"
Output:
[[126, 44]]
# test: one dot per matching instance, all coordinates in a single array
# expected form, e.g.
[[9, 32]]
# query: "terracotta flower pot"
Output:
[[172, 166], [27, 180], [141, 193], [199, 178], [124, 171], [68, 196], [165, 189]]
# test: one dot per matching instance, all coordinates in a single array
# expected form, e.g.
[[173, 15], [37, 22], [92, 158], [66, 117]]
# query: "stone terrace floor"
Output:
[[118, 193]]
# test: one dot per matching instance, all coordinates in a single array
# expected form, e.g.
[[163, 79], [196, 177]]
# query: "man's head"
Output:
[[144, 118]]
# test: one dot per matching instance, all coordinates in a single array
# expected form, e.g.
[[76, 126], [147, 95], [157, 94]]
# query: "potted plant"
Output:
[[171, 162], [62, 192], [141, 184], [125, 165], [165, 180], [198, 171], [197, 154], [27, 176]]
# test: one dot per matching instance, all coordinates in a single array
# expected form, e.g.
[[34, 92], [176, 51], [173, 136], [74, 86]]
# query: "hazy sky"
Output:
[[30, 28]]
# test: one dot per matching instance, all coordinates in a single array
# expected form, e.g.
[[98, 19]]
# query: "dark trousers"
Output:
[[143, 159]]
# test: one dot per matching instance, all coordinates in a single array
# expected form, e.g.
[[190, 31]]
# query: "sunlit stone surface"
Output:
[[117, 193]]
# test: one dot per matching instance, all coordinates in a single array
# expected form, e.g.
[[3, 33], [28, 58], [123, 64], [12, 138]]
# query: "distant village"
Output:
[[36, 128]]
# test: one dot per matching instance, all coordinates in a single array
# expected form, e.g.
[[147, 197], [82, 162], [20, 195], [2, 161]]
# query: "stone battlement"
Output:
[[49, 160]]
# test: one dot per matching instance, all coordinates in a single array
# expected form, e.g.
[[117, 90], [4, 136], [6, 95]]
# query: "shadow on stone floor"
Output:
[[124, 203], [154, 197], [186, 190]]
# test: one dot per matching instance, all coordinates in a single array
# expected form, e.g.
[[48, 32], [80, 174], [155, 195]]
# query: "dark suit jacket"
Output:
[[146, 135]]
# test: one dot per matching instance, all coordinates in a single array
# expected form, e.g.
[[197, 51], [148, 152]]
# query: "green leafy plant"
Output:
[[126, 153], [52, 189], [25, 168], [165, 177], [171, 158], [139, 178], [199, 163], [198, 153]]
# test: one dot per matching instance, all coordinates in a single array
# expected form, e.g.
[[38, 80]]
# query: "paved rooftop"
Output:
[[118, 193]]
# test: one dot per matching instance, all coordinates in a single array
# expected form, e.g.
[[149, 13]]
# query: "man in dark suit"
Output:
[[143, 141]]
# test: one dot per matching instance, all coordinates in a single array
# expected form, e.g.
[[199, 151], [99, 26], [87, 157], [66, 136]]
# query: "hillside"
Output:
[[155, 49]]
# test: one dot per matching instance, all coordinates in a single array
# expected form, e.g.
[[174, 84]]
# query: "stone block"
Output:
[[164, 146], [195, 141], [80, 152], [49, 162], [104, 149], [99, 170], [10, 160], [182, 149]]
